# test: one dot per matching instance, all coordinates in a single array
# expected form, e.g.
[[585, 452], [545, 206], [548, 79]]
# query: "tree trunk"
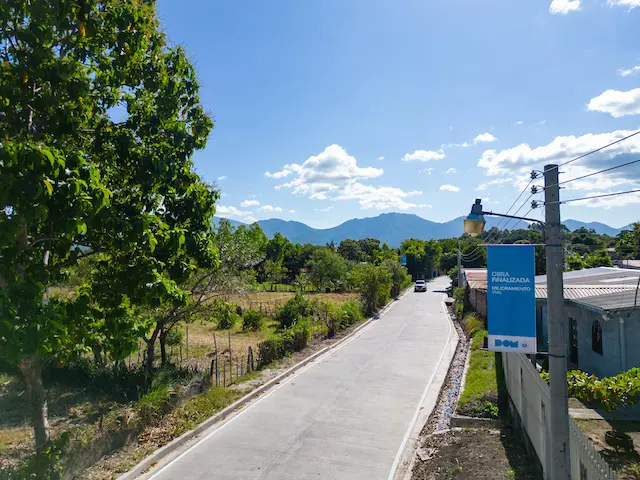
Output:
[[163, 349], [32, 372]]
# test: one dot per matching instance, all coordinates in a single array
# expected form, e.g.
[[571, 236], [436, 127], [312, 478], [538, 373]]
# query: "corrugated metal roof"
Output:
[[478, 285], [623, 300], [475, 274], [583, 291]]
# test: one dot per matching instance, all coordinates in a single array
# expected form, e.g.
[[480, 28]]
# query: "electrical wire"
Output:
[[597, 150], [592, 174], [598, 196]]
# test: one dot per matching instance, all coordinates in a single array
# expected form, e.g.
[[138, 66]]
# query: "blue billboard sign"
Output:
[[403, 260], [511, 298]]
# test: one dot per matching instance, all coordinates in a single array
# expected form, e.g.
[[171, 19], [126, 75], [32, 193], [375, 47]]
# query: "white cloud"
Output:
[[331, 171], [450, 170], [380, 198], [624, 3], [449, 188], [513, 165], [327, 209], [617, 103], [520, 158], [428, 171], [563, 7], [542, 122], [223, 177], [250, 203], [270, 209], [281, 174], [449, 145], [335, 175], [625, 72], [228, 211], [519, 122], [497, 181], [423, 156], [381, 158], [250, 219], [484, 137]]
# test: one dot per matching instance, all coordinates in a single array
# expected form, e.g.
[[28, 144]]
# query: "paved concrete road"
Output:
[[346, 416]]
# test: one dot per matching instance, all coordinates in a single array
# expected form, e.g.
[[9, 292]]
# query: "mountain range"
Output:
[[394, 228]]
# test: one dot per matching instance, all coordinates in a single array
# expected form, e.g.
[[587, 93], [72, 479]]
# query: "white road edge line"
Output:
[[405, 440], [262, 397]]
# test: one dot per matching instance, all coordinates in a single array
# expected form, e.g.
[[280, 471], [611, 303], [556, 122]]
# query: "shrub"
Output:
[[292, 339], [349, 313], [175, 337], [155, 403], [226, 315], [292, 311], [252, 320]]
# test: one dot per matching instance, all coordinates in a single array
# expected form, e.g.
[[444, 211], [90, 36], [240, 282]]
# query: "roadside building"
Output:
[[602, 306]]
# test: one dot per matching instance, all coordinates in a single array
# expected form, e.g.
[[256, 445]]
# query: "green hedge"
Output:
[[292, 339]]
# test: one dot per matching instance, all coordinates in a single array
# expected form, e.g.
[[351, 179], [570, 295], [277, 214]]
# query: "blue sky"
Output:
[[327, 110]]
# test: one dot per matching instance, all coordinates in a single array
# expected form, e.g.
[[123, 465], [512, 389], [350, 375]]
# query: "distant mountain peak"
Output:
[[395, 227]]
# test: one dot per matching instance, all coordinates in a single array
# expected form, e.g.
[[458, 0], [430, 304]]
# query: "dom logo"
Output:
[[506, 343]]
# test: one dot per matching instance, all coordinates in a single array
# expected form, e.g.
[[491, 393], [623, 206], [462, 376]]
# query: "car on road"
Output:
[[420, 286]]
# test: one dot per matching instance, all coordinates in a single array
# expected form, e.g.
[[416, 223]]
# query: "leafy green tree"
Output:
[[326, 268], [374, 284], [448, 261], [277, 248], [295, 259], [574, 262], [369, 247], [351, 250], [400, 278], [422, 256], [302, 280], [628, 243], [241, 249], [77, 182], [273, 271], [598, 259]]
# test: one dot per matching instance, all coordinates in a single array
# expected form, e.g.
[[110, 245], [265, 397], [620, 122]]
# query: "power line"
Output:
[[594, 173], [599, 196], [598, 149]]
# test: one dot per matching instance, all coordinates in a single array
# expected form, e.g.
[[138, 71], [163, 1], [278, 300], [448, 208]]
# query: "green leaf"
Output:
[[81, 228], [48, 185]]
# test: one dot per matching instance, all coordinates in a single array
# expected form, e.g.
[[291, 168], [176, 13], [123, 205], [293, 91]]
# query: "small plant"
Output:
[[608, 393], [350, 312], [226, 315], [252, 320], [292, 311], [175, 337]]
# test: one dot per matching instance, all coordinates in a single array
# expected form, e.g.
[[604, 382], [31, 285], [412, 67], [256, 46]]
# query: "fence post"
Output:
[[224, 375], [215, 346], [249, 359], [187, 335]]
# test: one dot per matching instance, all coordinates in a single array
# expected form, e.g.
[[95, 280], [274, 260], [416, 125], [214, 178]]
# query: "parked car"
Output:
[[420, 286]]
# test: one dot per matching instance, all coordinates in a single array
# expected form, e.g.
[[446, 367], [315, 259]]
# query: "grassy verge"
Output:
[[480, 395]]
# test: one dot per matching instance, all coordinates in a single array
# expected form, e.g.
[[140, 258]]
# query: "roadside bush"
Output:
[[292, 311], [252, 320], [349, 313], [291, 340], [225, 314], [155, 403], [175, 337]]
